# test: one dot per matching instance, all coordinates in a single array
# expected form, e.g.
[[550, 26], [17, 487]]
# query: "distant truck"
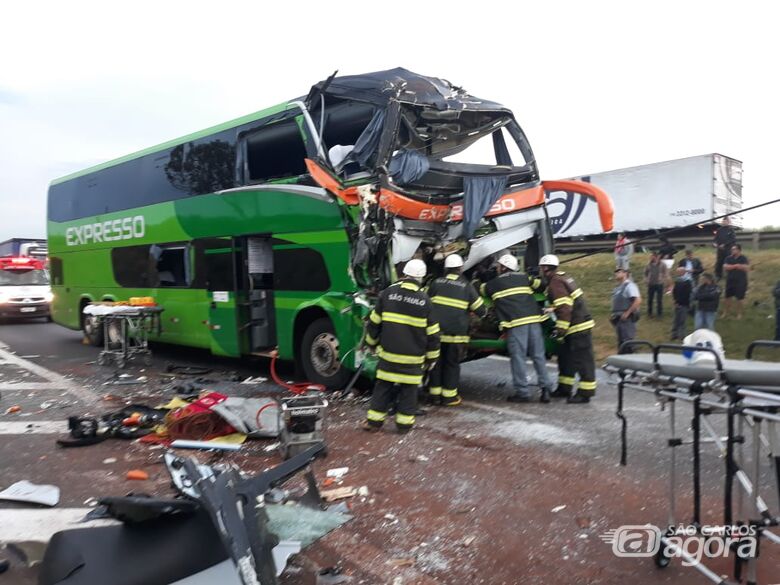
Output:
[[651, 197], [24, 247]]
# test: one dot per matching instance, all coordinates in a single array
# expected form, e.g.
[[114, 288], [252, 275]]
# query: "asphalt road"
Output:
[[515, 464]]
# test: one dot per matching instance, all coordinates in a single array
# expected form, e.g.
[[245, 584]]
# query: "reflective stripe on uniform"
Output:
[[566, 380], [521, 321], [415, 379], [435, 390], [404, 319], [371, 340], [476, 304], [563, 301], [576, 294], [449, 392], [405, 420], [375, 317], [452, 277], [399, 358], [432, 329], [450, 302], [433, 354], [410, 286], [376, 416], [562, 324], [455, 338], [508, 292], [536, 283], [587, 385], [584, 326]]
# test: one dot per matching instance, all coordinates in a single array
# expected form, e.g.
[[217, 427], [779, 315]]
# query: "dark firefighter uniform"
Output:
[[453, 297], [406, 339], [574, 323]]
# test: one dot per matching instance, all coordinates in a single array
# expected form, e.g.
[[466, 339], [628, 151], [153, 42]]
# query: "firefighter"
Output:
[[573, 329], [519, 315], [453, 297], [405, 337]]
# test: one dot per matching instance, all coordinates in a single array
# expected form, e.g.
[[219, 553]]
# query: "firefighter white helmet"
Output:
[[549, 260], [415, 268], [453, 261], [508, 261]]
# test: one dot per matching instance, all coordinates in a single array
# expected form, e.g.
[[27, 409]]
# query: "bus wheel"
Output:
[[319, 356], [93, 330]]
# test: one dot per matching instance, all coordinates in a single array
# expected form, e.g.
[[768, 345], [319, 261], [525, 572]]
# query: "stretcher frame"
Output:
[[745, 409]]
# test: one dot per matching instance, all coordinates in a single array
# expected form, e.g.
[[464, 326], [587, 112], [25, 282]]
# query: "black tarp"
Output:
[[479, 194]]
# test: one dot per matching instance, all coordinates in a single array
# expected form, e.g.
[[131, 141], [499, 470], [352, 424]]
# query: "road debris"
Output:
[[24, 491], [137, 474], [557, 509], [468, 540], [338, 493], [337, 472], [13, 409]]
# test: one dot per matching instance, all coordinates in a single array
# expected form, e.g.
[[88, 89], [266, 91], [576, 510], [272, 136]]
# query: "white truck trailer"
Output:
[[651, 197]]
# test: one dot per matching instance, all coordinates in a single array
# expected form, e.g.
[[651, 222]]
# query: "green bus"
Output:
[[274, 231]]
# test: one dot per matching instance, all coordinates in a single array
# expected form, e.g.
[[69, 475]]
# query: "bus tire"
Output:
[[92, 329], [319, 356]]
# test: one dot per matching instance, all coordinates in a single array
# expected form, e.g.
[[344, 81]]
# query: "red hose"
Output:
[[296, 387]]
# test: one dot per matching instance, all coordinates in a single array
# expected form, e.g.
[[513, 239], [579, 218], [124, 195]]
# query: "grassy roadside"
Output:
[[595, 275]]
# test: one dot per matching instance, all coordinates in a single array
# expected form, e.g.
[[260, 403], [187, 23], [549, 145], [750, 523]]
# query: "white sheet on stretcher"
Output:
[[102, 310], [750, 373]]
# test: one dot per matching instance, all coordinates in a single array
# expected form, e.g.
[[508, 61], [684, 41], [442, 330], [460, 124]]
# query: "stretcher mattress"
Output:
[[751, 373]]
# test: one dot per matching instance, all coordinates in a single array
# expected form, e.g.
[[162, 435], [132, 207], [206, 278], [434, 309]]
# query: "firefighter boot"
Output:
[[578, 398]]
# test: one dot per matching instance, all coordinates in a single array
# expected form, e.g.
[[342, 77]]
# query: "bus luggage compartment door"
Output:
[[260, 296]]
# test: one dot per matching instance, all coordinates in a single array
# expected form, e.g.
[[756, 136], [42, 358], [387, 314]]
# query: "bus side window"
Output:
[[158, 265], [169, 266], [275, 151]]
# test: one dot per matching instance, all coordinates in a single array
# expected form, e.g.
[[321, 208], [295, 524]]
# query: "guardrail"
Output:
[[749, 240]]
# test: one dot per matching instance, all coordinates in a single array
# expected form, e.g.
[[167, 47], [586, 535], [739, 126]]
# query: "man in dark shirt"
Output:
[[736, 267], [683, 287], [725, 237]]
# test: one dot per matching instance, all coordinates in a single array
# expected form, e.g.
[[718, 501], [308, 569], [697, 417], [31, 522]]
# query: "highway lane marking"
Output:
[[20, 386], [40, 525], [33, 427], [52, 377]]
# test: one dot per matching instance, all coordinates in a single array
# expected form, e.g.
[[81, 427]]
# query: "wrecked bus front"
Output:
[[432, 171]]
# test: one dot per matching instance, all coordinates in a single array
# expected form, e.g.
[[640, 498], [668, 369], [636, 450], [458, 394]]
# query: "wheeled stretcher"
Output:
[[747, 393]]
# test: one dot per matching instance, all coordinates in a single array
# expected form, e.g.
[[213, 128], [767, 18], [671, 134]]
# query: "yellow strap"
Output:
[[515, 290], [563, 301], [476, 304], [450, 302], [404, 319], [482, 289], [584, 326], [399, 358], [587, 385], [375, 317], [455, 338], [399, 378], [404, 419], [521, 321], [376, 416], [567, 380], [433, 329], [433, 354], [449, 392]]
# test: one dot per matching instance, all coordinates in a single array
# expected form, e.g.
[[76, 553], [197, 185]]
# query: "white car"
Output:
[[24, 288]]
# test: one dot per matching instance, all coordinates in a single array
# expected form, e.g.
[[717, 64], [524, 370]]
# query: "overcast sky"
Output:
[[595, 85]]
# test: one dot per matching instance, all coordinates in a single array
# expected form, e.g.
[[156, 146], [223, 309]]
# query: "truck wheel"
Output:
[[319, 356], [92, 329]]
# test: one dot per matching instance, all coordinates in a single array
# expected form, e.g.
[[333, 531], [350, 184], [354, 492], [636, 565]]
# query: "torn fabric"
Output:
[[408, 166], [479, 194]]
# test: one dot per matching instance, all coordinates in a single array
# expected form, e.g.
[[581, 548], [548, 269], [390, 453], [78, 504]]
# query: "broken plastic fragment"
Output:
[[24, 491], [557, 509]]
